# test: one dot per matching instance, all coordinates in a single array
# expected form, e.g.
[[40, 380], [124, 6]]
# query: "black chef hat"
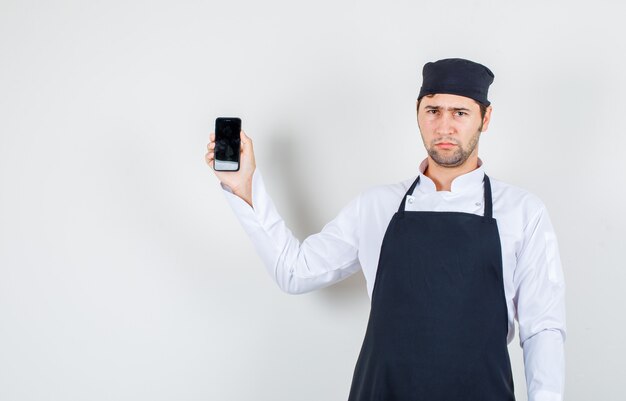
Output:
[[458, 77]]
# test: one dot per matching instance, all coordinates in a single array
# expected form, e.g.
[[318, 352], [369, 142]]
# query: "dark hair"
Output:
[[483, 108]]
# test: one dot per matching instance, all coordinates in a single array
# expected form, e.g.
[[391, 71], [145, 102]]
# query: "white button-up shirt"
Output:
[[533, 277]]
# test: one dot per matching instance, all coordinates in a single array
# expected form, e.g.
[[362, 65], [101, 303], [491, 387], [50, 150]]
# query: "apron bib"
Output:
[[438, 323]]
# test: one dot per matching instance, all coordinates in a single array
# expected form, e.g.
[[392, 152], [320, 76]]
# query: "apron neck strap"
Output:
[[487, 190], [409, 192], [488, 202]]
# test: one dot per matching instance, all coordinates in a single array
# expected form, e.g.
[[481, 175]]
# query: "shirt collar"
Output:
[[460, 184]]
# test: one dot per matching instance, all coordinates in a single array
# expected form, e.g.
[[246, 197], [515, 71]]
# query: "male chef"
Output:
[[451, 256]]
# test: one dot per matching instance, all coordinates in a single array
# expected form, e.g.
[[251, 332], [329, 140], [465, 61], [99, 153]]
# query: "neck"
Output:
[[443, 176]]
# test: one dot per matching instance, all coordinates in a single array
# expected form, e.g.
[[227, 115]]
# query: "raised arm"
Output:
[[320, 260]]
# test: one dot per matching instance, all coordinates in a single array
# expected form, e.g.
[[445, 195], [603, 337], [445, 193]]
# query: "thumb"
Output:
[[246, 142]]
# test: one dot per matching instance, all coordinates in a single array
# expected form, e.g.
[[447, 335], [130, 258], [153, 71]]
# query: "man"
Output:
[[451, 258]]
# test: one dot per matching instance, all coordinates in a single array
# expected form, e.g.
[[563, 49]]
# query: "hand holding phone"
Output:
[[239, 177]]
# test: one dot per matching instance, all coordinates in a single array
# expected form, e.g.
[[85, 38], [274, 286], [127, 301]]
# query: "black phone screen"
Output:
[[227, 142]]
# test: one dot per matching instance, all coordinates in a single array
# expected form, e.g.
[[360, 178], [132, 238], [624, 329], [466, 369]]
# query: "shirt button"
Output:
[[410, 200], [477, 203]]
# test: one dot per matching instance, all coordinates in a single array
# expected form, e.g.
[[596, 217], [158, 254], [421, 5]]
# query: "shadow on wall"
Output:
[[348, 293]]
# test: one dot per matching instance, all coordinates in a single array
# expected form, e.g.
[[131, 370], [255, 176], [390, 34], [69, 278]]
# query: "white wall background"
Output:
[[124, 275]]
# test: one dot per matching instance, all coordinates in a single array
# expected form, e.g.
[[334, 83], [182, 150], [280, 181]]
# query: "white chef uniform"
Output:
[[533, 277]]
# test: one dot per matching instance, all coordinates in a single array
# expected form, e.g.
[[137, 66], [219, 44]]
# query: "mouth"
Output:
[[445, 145]]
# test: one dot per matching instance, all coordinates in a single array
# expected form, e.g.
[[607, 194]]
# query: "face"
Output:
[[450, 126]]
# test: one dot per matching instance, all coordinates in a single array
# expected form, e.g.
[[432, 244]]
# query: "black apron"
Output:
[[438, 322]]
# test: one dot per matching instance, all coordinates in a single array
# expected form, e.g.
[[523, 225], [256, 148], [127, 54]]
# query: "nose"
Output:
[[445, 125]]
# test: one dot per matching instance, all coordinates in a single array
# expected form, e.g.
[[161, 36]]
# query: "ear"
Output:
[[486, 119]]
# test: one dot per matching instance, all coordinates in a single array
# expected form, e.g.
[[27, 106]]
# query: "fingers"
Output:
[[208, 158], [211, 144], [210, 154]]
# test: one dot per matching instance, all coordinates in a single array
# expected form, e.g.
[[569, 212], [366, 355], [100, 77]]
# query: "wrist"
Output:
[[244, 192]]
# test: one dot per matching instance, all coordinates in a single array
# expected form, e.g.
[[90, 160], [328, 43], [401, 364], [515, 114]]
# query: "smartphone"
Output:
[[227, 143]]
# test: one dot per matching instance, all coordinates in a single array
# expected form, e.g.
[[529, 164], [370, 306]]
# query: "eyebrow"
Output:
[[449, 108]]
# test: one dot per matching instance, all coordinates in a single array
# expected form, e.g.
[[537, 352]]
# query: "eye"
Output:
[[461, 113], [431, 111]]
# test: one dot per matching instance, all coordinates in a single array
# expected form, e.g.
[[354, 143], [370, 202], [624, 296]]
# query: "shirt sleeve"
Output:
[[319, 261], [540, 303]]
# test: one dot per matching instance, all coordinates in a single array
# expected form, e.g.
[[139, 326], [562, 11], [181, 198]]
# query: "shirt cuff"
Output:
[[250, 217], [544, 361]]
